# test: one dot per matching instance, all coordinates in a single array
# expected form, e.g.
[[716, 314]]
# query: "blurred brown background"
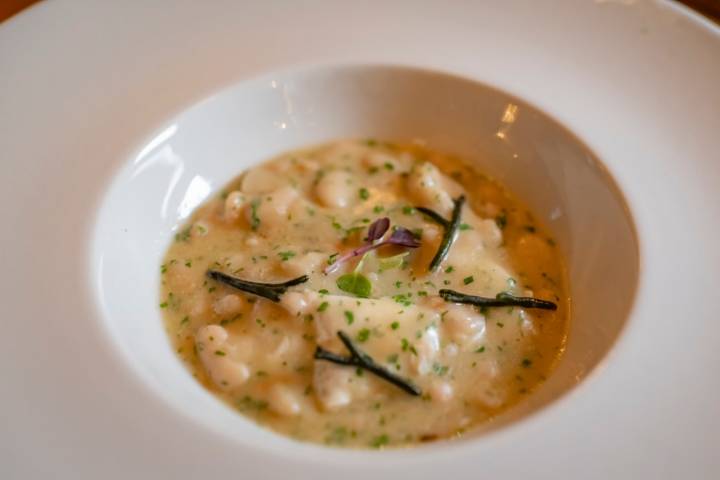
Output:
[[710, 8]]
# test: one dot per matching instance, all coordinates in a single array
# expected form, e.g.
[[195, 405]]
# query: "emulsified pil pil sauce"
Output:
[[300, 213]]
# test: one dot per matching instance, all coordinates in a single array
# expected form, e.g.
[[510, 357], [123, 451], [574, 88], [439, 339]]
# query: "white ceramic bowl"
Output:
[[94, 392], [198, 152]]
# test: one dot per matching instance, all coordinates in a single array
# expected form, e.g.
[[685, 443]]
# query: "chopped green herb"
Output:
[[163, 268], [364, 193], [188, 263], [380, 441], [404, 344], [287, 255], [389, 166], [403, 299], [254, 219], [395, 325], [449, 269], [323, 291], [349, 317], [183, 236], [464, 226], [331, 258], [440, 370], [219, 353], [468, 280], [408, 210], [249, 403], [480, 350], [363, 335], [378, 208], [185, 320], [164, 305], [370, 142], [323, 306]]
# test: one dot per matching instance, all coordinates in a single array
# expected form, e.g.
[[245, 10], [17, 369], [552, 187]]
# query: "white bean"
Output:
[[215, 354], [335, 189], [228, 305], [234, 205], [284, 400]]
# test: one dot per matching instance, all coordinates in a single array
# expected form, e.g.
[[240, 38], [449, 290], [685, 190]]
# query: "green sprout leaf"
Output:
[[395, 261], [355, 283]]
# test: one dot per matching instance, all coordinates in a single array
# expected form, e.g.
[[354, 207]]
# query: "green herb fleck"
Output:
[[323, 306], [349, 317], [183, 236], [364, 193], [468, 280], [287, 255], [378, 208], [480, 350], [440, 370], [408, 210], [219, 353], [363, 335], [395, 325], [464, 226], [254, 219], [380, 441]]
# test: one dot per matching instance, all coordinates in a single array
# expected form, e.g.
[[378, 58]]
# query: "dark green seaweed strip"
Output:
[[449, 236], [433, 215], [271, 291], [360, 359], [503, 299]]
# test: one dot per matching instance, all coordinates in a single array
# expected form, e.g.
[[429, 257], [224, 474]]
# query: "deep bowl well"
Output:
[[197, 152]]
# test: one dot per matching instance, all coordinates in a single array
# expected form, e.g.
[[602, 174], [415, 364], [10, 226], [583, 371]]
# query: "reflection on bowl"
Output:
[[198, 151]]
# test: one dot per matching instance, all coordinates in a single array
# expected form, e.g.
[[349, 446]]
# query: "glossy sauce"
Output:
[[294, 215]]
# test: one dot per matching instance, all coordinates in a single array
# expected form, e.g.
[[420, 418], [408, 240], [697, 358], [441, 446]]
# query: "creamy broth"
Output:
[[300, 214]]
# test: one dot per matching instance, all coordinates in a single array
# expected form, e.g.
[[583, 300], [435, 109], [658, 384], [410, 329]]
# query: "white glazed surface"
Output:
[[192, 156], [636, 81]]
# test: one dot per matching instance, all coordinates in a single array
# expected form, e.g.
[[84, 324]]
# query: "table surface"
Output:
[[710, 8]]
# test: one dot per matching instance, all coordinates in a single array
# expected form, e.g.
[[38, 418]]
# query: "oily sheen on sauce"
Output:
[[303, 211]]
